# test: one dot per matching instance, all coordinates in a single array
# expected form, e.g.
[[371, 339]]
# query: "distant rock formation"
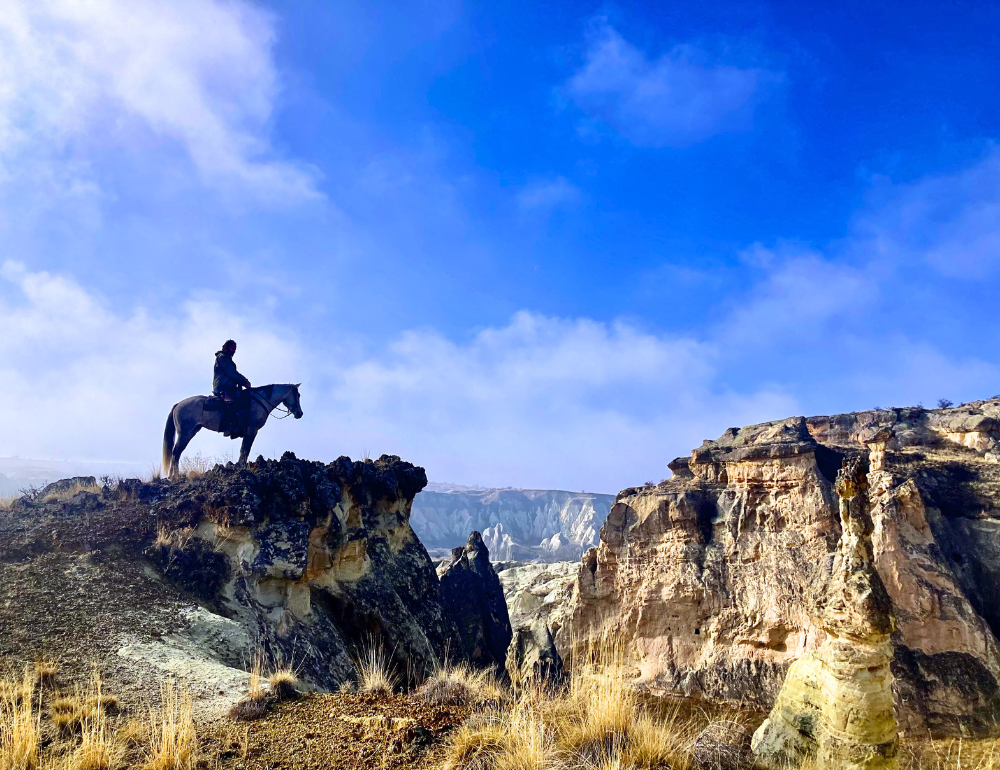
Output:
[[836, 705], [516, 524], [301, 562], [716, 579], [538, 592], [473, 598]]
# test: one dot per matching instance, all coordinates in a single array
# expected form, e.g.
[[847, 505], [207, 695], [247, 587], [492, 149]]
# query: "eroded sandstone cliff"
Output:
[[717, 579]]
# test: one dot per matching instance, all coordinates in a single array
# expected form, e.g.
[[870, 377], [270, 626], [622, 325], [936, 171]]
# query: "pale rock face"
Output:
[[539, 592], [836, 705], [716, 579], [517, 524]]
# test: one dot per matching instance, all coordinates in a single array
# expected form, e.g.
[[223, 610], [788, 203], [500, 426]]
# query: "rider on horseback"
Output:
[[229, 385]]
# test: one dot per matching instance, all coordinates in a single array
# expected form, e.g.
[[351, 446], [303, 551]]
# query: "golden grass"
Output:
[[99, 747], [376, 673], [20, 734], [951, 754], [46, 672], [173, 743], [283, 684], [461, 685]]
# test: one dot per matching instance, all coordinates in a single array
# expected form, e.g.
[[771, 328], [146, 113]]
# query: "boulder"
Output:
[[473, 598]]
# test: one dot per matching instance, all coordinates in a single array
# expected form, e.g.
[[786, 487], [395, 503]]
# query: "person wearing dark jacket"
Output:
[[227, 382], [231, 386]]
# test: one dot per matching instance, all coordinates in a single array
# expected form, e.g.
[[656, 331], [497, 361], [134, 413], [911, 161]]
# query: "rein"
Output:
[[268, 405]]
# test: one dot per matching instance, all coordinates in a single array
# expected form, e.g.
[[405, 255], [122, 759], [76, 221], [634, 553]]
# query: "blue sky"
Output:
[[547, 245]]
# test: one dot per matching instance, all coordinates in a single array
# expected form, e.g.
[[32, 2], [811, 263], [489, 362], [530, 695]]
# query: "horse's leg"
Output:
[[247, 444], [182, 441]]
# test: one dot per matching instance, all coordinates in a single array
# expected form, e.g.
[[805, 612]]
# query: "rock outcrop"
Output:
[[473, 598], [836, 705], [302, 562], [716, 579], [518, 524], [533, 657]]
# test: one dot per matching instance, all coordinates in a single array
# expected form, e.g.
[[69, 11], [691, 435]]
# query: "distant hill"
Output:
[[517, 524]]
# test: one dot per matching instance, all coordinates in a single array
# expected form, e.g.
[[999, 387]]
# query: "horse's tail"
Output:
[[168, 445]]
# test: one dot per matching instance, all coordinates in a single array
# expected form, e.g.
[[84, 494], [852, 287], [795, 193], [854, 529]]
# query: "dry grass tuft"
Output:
[[197, 465], [376, 673], [46, 672], [20, 734], [99, 747], [172, 741], [283, 684], [598, 722], [460, 686]]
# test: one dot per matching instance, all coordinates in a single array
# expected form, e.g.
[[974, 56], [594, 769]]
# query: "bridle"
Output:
[[269, 406]]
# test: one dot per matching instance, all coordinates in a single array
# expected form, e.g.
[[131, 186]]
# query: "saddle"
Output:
[[235, 414]]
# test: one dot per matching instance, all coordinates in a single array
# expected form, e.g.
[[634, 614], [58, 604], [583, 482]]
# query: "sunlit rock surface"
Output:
[[716, 579], [836, 705]]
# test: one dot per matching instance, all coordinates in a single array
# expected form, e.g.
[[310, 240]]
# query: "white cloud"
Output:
[[82, 382], [538, 402], [546, 195], [673, 101], [80, 75], [949, 221]]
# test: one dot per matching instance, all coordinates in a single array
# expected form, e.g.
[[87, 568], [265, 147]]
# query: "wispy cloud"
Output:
[[675, 100], [548, 194], [82, 77]]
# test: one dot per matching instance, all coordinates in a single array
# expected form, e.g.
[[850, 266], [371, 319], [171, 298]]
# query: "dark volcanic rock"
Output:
[[301, 562], [473, 598]]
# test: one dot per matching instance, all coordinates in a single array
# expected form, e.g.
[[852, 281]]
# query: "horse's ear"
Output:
[[297, 385]]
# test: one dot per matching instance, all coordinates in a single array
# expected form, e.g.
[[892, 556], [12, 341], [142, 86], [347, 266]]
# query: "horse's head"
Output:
[[292, 401]]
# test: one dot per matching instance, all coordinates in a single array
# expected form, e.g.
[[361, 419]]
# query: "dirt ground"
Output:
[[394, 732]]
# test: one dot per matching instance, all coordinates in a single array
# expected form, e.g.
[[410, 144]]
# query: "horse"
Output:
[[189, 416]]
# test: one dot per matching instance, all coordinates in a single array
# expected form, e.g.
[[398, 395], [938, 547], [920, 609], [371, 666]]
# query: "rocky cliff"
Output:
[[519, 524], [299, 562], [717, 579]]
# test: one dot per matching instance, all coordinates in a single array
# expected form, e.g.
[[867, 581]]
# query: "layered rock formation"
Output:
[[300, 562], [836, 705], [716, 578], [519, 524], [473, 597], [533, 657], [538, 592]]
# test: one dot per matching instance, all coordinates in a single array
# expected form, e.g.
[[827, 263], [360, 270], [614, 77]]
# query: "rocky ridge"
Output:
[[717, 579], [301, 562]]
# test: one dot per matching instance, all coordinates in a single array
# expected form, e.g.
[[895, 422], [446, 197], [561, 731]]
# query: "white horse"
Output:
[[189, 416]]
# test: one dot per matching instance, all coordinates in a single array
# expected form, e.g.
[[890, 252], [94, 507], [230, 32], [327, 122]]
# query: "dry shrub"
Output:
[[461, 686], [172, 741], [197, 465], [950, 754], [376, 673], [249, 709], [19, 726], [283, 683]]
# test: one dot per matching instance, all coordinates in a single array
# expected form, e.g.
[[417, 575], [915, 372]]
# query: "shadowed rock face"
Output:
[[473, 598], [718, 578], [303, 561], [836, 705]]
